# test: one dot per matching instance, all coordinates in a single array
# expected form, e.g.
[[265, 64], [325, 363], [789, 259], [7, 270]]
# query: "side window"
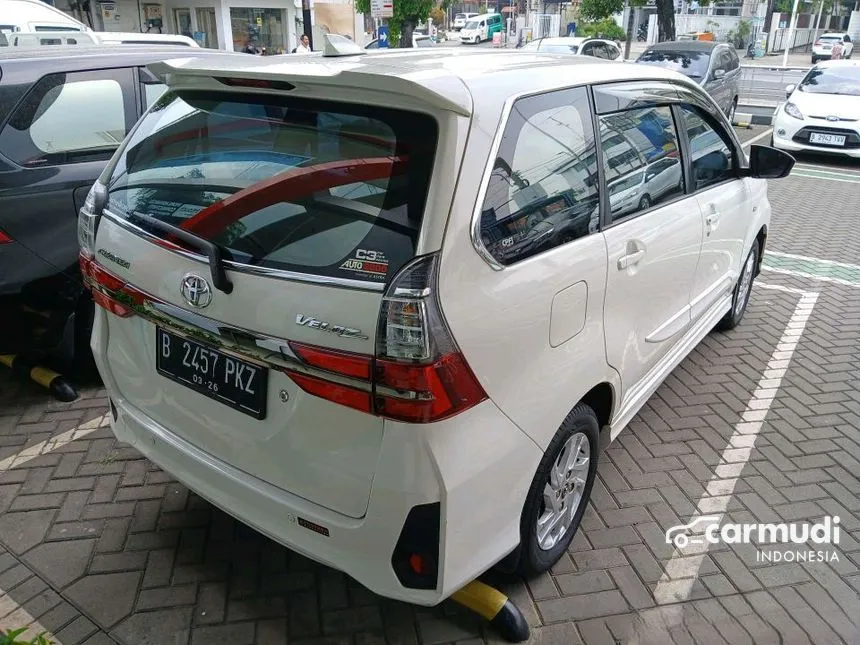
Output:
[[152, 87], [711, 158], [641, 160], [612, 52], [373, 45], [39, 131], [588, 49], [543, 189]]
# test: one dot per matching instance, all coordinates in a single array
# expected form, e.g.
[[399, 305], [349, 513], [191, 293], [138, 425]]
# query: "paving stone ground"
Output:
[[101, 547]]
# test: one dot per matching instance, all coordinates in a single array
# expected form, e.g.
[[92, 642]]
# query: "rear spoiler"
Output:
[[440, 90]]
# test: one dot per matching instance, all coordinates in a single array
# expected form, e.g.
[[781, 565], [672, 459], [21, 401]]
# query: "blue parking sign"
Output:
[[382, 34]]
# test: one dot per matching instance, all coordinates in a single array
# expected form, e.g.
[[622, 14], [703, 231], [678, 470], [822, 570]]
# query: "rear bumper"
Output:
[[478, 465]]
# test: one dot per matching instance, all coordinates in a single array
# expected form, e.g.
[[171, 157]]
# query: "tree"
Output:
[[439, 17], [407, 15], [597, 10]]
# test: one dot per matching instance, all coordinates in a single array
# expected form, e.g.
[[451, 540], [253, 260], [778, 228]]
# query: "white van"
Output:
[[461, 19], [481, 28], [391, 331], [35, 15]]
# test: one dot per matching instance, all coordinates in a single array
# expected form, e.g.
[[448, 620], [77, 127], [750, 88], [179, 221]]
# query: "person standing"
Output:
[[304, 45]]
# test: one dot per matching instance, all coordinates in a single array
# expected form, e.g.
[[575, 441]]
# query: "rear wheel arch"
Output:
[[601, 399]]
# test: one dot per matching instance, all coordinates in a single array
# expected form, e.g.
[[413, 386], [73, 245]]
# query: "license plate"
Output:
[[228, 380], [827, 139]]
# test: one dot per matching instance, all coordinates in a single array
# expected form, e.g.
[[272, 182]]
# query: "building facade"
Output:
[[225, 24]]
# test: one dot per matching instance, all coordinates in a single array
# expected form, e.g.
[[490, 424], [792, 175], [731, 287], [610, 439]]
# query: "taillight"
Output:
[[88, 218], [4, 237], [109, 292], [418, 373]]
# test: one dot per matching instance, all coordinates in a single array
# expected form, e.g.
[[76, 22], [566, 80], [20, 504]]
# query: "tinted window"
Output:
[[374, 44], [691, 63], [641, 159], [543, 190], [711, 156], [307, 186], [832, 80], [40, 130], [152, 92], [423, 42], [612, 52]]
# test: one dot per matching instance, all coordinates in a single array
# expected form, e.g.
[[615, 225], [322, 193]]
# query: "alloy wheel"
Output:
[[563, 492]]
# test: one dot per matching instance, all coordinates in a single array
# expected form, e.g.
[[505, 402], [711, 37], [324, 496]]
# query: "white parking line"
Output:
[[12, 614], [682, 569], [44, 447], [807, 258], [812, 276], [757, 137]]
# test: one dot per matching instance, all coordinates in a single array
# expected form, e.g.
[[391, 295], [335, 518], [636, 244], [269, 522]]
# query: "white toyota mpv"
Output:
[[383, 308]]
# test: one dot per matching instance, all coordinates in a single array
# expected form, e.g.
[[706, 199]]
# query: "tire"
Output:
[[534, 557], [742, 291], [644, 203], [814, 60]]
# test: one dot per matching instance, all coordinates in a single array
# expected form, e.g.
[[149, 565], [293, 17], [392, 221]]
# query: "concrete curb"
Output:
[[747, 115]]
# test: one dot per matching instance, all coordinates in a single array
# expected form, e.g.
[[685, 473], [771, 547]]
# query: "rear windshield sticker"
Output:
[[372, 264]]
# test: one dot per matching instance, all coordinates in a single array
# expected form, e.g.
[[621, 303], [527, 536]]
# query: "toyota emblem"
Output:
[[196, 291]]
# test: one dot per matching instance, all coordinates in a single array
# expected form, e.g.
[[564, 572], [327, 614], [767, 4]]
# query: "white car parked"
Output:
[[822, 112], [576, 46], [822, 49], [461, 19], [387, 321]]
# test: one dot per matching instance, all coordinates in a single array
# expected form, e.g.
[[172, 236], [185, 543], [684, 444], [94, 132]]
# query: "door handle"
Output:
[[712, 219], [630, 259]]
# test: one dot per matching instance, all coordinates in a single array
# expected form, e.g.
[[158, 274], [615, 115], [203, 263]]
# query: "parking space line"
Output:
[[12, 613], [682, 570], [44, 447], [811, 276], [811, 166], [757, 137], [779, 287], [807, 258]]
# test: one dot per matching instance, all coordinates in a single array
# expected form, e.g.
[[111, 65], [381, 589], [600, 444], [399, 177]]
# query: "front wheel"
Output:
[[743, 289], [559, 492], [645, 203], [814, 60]]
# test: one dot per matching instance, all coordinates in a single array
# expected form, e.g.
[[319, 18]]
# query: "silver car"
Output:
[[714, 66]]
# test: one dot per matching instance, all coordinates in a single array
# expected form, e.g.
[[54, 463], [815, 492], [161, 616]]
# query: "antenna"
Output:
[[337, 45]]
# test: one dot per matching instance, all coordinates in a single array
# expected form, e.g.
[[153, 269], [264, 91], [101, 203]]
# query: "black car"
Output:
[[63, 112], [714, 66]]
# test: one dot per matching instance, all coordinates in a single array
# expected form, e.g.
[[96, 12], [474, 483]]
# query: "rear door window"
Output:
[[311, 187], [543, 189], [67, 118]]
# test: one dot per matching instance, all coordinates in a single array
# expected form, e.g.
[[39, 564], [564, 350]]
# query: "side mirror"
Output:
[[769, 163], [789, 90], [719, 73]]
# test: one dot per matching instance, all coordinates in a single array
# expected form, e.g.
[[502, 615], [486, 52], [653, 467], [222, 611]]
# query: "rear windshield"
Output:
[[304, 186], [691, 63]]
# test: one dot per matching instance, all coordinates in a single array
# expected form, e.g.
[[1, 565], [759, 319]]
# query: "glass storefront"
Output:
[[207, 33], [259, 28]]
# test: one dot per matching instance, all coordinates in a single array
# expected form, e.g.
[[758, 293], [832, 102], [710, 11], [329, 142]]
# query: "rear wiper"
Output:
[[216, 263]]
